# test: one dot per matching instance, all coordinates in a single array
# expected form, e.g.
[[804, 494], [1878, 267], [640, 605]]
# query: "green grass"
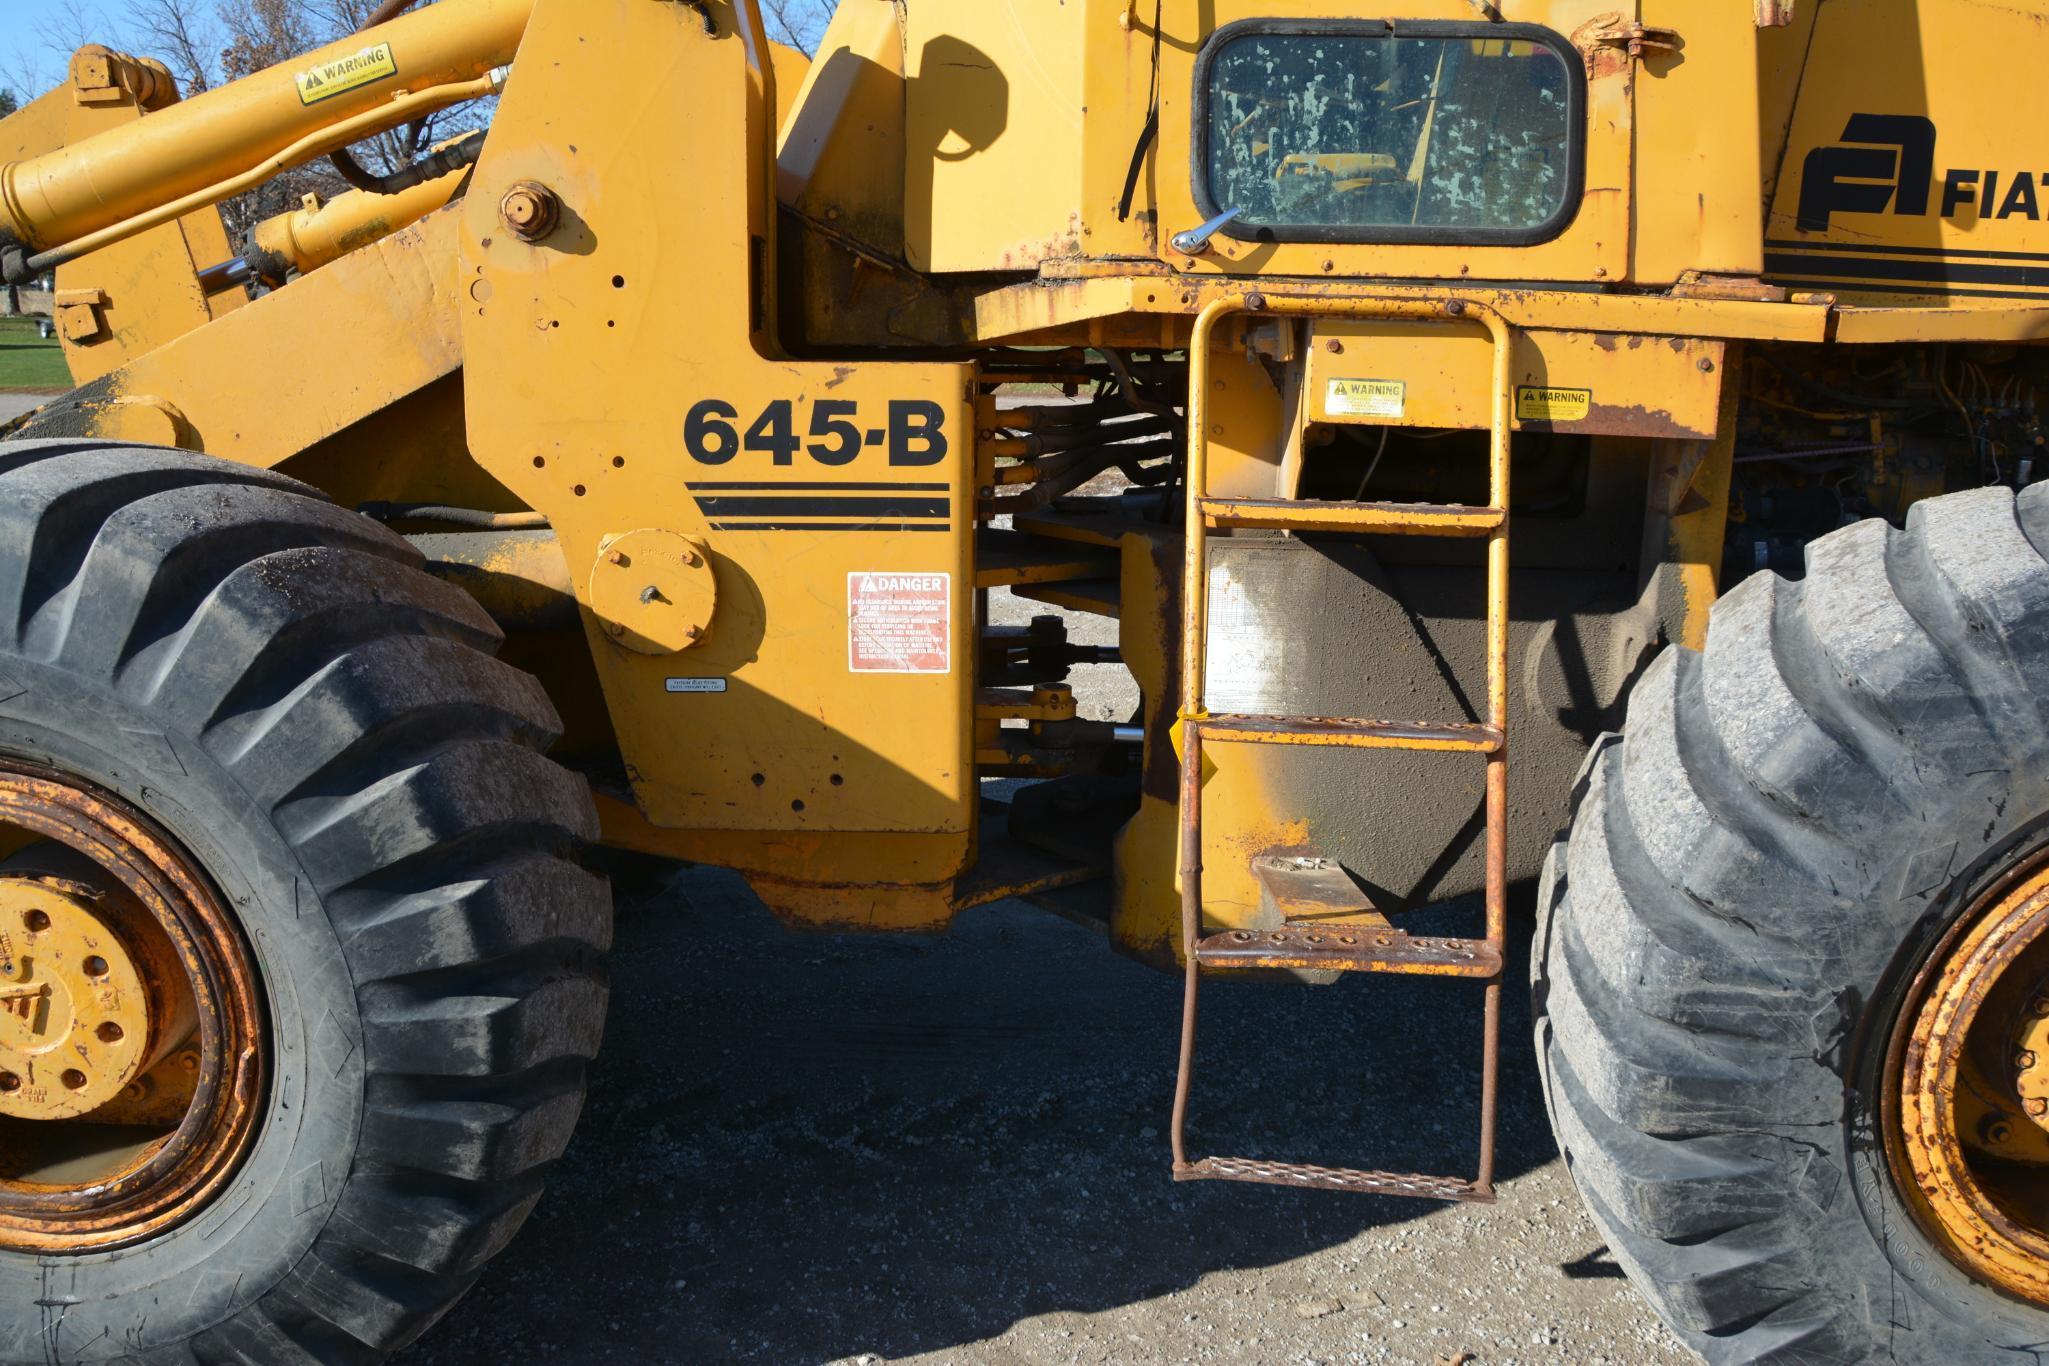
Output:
[[27, 362]]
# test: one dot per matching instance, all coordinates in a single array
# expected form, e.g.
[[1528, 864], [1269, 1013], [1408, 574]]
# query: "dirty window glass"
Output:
[[1412, 136]]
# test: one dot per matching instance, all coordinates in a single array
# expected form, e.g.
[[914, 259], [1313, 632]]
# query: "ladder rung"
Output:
[[1382, 519], [1333, 1178], [1346, 732], [1346, 948]]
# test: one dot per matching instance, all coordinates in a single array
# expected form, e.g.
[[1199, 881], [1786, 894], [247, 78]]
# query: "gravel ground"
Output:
[[807, 1148]]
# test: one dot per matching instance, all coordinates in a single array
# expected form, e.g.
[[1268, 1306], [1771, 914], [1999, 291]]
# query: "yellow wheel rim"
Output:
[[1967, 1102]]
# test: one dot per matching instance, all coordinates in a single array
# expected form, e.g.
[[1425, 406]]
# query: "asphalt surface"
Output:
[[14, 405]]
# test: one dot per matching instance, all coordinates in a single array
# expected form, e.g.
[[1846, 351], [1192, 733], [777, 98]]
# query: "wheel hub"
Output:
[[131, 1031], [1968, 1088], [77, 1027]]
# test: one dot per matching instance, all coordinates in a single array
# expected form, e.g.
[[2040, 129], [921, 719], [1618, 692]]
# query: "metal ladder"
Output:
[[1368, 943]]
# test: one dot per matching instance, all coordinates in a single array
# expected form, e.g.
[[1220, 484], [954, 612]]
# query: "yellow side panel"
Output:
[[840, 159], [1697, 172], [1911, 169], [617, 381], [1582, 383], [994, 134]]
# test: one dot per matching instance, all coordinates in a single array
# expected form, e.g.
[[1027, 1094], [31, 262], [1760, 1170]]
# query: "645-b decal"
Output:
[[912, 433]]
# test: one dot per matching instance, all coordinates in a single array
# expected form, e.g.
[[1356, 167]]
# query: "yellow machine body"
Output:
[[744, 333]]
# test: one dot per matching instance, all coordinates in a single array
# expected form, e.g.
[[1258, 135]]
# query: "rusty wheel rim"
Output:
[[116, 956], [1967, 1095]]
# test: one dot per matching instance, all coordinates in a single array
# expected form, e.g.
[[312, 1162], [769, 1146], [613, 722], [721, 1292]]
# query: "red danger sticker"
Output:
[[900, 623]]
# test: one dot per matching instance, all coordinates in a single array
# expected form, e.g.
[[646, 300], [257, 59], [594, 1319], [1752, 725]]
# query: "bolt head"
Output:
[[2038, 1106], [614, 628], [1998, 1131], [2024, 1059], [1335, 347], [531, 210], [693, 632], [615, 557]]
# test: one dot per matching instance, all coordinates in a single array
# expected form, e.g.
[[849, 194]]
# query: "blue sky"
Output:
[[40, 34], [37, 31]]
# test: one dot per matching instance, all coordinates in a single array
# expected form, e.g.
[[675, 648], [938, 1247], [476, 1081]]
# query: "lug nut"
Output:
[[2038, 1106], [2024, 1059], [531, 210]]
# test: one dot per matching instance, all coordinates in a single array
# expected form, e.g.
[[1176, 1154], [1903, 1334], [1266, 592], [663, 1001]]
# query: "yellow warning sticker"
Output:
[[344, 74], [1534, 404], [1366, 398]]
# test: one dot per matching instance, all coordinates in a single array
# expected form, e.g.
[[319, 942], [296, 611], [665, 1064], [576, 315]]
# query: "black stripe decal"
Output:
[[1933, 272], [1880, 287], [772, 487], [1957, 253], [826, 507], [828, 526]]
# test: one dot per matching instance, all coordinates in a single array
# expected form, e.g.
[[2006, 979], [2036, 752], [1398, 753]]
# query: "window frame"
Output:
[[1394, 234]]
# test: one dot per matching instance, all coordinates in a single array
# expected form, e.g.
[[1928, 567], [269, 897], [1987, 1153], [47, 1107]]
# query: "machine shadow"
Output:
[[800, 1148]]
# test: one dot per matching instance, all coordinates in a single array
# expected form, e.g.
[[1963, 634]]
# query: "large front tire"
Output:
[[321, 729], [1755, 872]]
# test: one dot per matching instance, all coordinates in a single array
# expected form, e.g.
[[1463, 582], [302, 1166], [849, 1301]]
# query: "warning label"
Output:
[[900, 623], [341, 76], [1533, 404], [1366, 398]]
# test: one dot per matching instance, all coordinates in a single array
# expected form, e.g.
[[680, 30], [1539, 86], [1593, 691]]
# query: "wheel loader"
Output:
[[1481, 421]]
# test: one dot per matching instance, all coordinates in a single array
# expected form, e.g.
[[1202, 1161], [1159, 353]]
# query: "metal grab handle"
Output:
[[1195, 241]]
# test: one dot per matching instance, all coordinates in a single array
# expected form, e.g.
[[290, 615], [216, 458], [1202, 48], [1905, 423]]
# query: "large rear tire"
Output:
[[274, 688], [1756, 872]]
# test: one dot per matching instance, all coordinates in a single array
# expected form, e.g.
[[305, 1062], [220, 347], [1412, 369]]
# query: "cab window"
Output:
[[1372, 133]]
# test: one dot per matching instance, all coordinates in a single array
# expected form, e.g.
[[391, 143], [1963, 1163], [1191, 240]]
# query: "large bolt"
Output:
[[531, 210], [1996, 1130], [2038, 1106], [2024, 1059]]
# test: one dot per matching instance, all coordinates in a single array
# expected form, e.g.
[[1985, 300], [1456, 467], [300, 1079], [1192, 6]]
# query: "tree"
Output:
[[798, 23], [211, 42], [8, 102]]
